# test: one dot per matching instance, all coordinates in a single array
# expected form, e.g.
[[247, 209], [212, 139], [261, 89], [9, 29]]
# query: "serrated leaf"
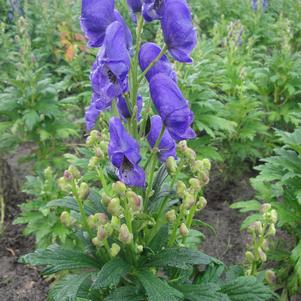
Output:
[[160, 240], [56, 259], [31, 118], [111, 273], [246, 206], [157, 289], [180, 258], [247, 288], [126, 293]]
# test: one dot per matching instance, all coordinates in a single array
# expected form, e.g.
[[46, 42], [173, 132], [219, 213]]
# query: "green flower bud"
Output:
[[91, 221], [202, 203], [195, 184], [95, 135], [274, 216], [101, 233], [63, 184], [65, 218], [249, 256], [101, 218], [256, 227], [204, 178], [270, 277], [103, 146], [105, 199], [115, 223], [124, 234], [74, 171], [89, 141], [183, 230], [171, 215], [119, 187], [48, 174], [206, 164], [180, 189], [109, 229], [97, 242], [68, 176], [262, 255], [139, 249], [197, 166], [99, 154], [171, 165], [182, 146], [83, 191], [265, 245], [93, 162], [272, 230], [264, 208], [190, 154], [188, 200], [135, 201], [114, 206], [115, 249]]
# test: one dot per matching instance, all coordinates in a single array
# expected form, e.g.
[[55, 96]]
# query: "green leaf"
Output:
[[246, 206], [111, 273], [56, 259], [247, 288], [203, 292], [157, 289], [180, 258], [31, 118], [249, 220], [160, 240], [125, 293], [68, 288]]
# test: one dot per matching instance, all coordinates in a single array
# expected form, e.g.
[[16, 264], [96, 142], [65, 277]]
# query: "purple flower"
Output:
[[152, 9], [167, 146], [96, 16], [172, 107], [178, 31], [124, 153], [135, 5], [265, 5], [148, 52], [254, 4], [123, 108], [128, 34]]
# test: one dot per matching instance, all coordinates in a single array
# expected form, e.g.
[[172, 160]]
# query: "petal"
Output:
[[135, 5], [132, 176]]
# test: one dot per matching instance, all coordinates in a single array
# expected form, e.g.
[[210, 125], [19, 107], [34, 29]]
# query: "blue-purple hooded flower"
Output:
[[96, 16], [135, 5], [172, 107], [124, 153], [167, 146], [148, 52], [152, 9], [128, 34], [179, 34], [124, 110]]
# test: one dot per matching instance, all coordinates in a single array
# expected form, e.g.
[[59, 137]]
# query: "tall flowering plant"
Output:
[[135, 228]]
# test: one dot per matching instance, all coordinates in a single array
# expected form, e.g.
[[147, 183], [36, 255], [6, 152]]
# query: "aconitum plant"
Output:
[[132, 203]]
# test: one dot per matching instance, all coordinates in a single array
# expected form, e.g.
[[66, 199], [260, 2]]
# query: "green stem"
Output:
[[176, 225], [162, 52], [102, 179]]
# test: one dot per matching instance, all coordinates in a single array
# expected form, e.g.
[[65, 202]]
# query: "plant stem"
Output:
[[102, 179]]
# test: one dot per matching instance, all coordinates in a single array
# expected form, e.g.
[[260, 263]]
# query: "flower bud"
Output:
[[206, 164], [105, 199], [48, 174], [119, 187], [190, 154], [114, 206], [101, 233], [272, 230], [65, 218], [197, 166], [93, 162], [74, 171], [103, 146], [265, 245], [139, 249], [182, 146], [63, 184], [202, 203], [270, 277], [171, 165], [249, 256], [68, 176], [183, 230], [99, 154], [180, 189], [109, 229], [97, 242], [265, 208], [115, 223], [95, 135], [101, 218], [274, 216], [188, 200], [195, 184], [115, 249], [135, 201], [256, 227], [91, 221], [83, 191], [171, 215], [124, 234], [262, 255]]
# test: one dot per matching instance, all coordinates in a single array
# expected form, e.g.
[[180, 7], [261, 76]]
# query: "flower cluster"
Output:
[[115, 80], [264, 4]]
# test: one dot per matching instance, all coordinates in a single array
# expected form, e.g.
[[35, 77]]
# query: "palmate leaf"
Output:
[[125, 293], [180, 258], [56, 259], [247, 288], [157, 289], [68, 288], [111, 273], [160, 240]]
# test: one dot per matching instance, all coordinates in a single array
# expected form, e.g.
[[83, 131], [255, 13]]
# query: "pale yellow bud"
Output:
[[124, 234], [115, 249], [183, 230], [171, 215]]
